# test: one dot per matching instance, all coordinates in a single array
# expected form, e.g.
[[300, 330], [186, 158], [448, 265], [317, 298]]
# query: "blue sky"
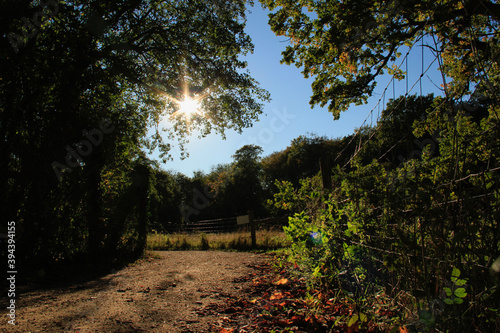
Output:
[[289, 115]]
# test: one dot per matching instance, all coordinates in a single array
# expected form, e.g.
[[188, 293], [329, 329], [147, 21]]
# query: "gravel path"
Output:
[[166, 294]]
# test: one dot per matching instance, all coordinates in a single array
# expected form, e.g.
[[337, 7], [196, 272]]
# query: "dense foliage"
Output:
[[85, 88], [414, 228], [414, 212]]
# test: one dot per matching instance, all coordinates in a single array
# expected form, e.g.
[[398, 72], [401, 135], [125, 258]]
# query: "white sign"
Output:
[[243, 220]]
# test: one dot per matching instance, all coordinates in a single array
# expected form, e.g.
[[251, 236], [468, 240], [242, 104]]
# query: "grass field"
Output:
[[236, 241]]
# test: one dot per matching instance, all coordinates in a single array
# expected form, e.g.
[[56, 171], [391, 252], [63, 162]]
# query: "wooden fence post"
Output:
[[252, 228]]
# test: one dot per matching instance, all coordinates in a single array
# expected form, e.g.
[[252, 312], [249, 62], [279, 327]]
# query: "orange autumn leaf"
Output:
[[403, 330], [282, 281], [225, 330], [276, 295], [311, 319]]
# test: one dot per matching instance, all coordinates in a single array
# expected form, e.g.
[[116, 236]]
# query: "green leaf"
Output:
[[460, 292], [447, 291], [353, 320], [363, 318], [448, 301], [458, 301], [455, 274], [460, 282]]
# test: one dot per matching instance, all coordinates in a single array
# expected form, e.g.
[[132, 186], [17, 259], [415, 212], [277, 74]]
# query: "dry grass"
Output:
[[238, 241]]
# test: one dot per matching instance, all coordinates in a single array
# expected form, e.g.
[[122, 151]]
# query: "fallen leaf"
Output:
[[231, 310], [282, 281], [276, 295], [282, 322]]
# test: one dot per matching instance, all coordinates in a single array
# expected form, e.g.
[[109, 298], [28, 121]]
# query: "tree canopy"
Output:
[[82, 83], [346, 45]]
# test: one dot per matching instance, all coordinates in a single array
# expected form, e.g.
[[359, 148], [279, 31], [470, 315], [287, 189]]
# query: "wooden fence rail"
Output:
[[227, 225]]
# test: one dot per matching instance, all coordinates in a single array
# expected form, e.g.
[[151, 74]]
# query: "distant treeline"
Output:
[[249, 182]]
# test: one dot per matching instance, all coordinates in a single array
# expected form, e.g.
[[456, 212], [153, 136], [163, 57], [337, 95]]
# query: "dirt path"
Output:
[[169, 294]]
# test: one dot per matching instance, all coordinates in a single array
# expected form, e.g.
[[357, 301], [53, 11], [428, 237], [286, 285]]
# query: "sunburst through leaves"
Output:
[[189, 106]]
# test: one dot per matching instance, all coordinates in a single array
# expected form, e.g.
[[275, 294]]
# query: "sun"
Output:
[[189, 107]]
